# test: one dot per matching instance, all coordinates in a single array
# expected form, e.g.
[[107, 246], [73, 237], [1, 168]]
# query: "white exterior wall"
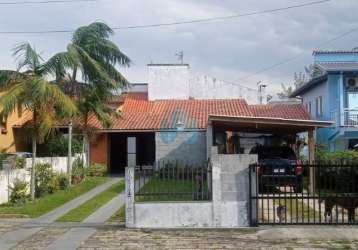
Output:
[[183, 214], [7, 178], [205, 87], [59, 164], [168, 81]]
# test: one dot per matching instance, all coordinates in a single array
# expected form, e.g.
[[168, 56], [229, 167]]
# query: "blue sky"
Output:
[[227, 50]]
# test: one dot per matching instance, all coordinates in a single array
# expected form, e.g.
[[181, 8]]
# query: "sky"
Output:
[[233, 50]]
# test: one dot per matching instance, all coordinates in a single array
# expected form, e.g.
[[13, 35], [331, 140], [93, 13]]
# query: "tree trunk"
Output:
[[69, 158], [86, 146], [33, 169]]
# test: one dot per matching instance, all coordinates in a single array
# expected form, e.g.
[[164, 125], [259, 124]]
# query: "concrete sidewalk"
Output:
[[349, 233], [73, 238], [12, 238]]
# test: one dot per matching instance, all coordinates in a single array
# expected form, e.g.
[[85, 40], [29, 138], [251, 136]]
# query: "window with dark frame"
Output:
[[319, 106]]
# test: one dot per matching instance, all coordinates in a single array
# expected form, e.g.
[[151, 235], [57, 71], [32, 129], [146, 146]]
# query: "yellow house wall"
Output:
[[8, 141]]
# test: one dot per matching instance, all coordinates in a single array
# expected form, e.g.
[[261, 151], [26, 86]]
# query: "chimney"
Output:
[[168, 81]]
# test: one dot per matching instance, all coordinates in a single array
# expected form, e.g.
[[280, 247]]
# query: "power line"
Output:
[[45, 2], [294, 57], [240, 85], [202, 20]]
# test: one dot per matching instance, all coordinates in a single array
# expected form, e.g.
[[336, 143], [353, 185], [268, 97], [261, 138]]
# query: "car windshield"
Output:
[[274, 152]]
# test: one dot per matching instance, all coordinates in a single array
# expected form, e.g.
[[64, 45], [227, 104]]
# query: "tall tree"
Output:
[[28, 88], [93, 55]]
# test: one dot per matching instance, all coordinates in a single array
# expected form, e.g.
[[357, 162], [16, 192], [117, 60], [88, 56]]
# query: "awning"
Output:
[[267, 124]]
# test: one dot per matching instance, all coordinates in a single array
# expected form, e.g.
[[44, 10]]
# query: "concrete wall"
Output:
[[168, 81], [229, 207], [184, 146], [206, 87], [59, 164], [169, 215], [7, 178], [231, 188]]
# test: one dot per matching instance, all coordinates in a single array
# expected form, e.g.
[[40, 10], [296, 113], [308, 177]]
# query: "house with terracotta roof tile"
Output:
[[169, 124], [164, 120]]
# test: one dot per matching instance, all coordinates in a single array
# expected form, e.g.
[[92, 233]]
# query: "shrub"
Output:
[[78, 172], [97, 169], [45, 180], [17, 162], [58, 146], [62, 181], [18, 192]]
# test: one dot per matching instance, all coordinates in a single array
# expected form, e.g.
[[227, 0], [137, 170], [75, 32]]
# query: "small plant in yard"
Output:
[[78, 171], [17, 162], [18, 192], [62, 181], [97, 169], [45, 179]]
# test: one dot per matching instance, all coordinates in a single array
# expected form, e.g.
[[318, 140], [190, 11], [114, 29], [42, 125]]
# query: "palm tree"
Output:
[[28, 88], [92, 54]]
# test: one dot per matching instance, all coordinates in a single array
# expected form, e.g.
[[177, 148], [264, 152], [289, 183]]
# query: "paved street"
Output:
[[115, 236]]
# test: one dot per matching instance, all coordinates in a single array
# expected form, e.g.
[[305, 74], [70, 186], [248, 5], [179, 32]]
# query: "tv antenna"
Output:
[[180, 56]]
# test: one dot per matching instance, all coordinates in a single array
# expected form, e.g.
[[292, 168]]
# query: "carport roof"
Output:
[[267, 124]]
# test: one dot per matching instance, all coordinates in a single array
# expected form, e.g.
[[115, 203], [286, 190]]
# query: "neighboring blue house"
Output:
[[334, 96]]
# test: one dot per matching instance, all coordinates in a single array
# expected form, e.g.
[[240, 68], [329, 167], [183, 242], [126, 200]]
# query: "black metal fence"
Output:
[[173, 181], [320, 193]]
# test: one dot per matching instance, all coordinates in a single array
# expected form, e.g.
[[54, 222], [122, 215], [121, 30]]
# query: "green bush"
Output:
[[58, 146], [78, 170], [45, 179], [62, 181], [346, 155], [18, 192], [17, 162], [97, 169]]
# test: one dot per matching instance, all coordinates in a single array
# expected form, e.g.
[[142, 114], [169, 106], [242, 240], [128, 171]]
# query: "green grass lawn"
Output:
[[119, 216], [83, 211], [171, 190], [49, 202]]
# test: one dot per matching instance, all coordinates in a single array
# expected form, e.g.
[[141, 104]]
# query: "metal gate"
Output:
[[304, 194]]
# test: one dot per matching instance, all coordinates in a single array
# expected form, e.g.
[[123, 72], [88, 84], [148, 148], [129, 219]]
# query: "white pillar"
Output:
[[129, 196], [341, 99], [131, 151]]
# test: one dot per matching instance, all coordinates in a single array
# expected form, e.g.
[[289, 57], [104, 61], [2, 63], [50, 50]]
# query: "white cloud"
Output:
[[227, 49]]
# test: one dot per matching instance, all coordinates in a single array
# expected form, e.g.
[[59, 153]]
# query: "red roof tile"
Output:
[[193, 114], [286, 111], [140, 114]]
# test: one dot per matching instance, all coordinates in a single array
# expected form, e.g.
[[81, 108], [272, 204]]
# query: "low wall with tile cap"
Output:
[[229, 207]]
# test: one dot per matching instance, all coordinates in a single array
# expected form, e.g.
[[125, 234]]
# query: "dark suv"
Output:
[[278, 166]]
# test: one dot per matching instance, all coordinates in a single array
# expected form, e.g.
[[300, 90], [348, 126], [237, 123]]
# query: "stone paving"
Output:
[[115, 236], [121, 238]]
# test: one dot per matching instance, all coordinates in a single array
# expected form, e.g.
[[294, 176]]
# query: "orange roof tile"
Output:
[[286, 111], [140, 114]]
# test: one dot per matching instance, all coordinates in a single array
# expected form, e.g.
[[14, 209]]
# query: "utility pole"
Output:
[[69, 158]]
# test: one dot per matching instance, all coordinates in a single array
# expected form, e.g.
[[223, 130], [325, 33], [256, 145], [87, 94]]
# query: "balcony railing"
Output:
[[347, 118]]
